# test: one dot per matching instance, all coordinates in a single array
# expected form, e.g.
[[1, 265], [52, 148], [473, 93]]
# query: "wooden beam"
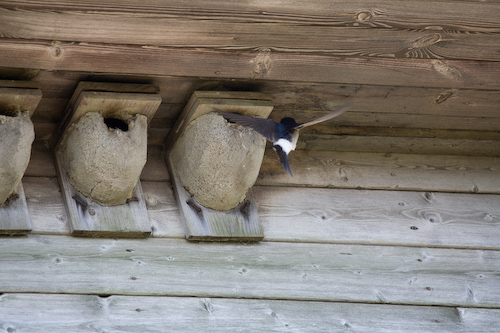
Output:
[[19, 96], [300, 99], [14, 216], [443, 173], [88, 218], [335, 35], [317, 215], [285, 271], [63, 313], [449, 15], [263, 63]]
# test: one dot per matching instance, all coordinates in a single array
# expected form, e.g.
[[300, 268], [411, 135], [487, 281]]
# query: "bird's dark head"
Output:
[[289, 122]]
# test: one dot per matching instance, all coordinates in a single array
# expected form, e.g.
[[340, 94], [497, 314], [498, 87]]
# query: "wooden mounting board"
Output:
[[87, 218], [242, 222], [17, 96], [203, 102], [109, 98], [204, 224], [20, 95], [14, 215]]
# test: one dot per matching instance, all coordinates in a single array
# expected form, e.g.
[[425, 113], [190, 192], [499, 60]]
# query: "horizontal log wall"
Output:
[[395, 203]]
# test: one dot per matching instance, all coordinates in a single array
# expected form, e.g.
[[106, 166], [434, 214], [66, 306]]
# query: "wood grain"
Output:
[[395, 40], [289, 98], [14, 215], [460, 16], [288, 271], [81, 313], [401, 145], [317, 215], [90, 219], [18, 99], [262, 63], [443, 173], [388, 111], [320, 168], [379, 217]]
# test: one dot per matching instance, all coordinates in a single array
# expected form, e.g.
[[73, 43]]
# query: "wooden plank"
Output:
[[375, 108], [392, 171], [399, 145], [413, 121], [41, 162], [288, 271], [317, 215], [289, 98], [249, 64], [379, 217], [443, 15], [112, 100], [155, 168], [88, 218], [163, 210], [397, 100], [14, 216], [240, 223], [75, 313], [442, 173], [123, 27], [19, 99], [28, 85], [45, 205]]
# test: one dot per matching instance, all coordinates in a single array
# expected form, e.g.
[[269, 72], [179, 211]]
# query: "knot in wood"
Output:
[[425, 41], [363, 17]]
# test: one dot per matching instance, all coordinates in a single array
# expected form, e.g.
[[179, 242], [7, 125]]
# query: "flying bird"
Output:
[[283, 135]]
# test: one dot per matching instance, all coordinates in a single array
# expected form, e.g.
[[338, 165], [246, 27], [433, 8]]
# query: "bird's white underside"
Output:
[[286, 145]]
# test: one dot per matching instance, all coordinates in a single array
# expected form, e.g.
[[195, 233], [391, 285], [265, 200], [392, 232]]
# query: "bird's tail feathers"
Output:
[[283, 159]]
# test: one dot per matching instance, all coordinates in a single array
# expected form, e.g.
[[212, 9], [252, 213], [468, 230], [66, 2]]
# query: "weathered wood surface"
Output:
[[14, 215], [408, 30], [286, 96], [325, 215], [83, 313], [127, 28], [387, 171], [240, 223], [86, 218], [401, 145], [384, 14], [422, 78], [266, 270], [262, 63], [14, 99], [444, 173], [318, 215], [443, 117]]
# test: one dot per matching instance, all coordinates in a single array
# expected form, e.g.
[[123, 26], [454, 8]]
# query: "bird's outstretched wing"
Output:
[[329, 116], [265, 127], [283, 158]]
